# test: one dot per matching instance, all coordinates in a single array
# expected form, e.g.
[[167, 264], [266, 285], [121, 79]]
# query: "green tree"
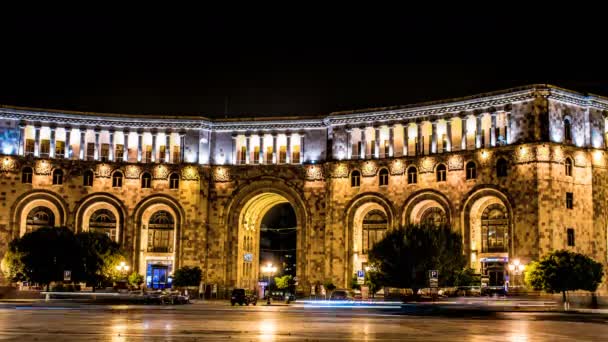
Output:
[[373, 280], [563, 271], [283, 282], [405, 255], [187, 276], [100, 256], [354, 282], [46, 253], [12, 267], [467, 277], [136, 279]]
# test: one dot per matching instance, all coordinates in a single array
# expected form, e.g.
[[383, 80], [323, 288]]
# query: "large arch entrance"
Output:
[[266, 224]]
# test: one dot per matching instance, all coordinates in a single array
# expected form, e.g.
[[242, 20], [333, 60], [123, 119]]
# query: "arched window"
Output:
[[26, 175], [471, 169], [160, 232], [501, 167], [117, 179], [568, 167], [146, 180], [87, 178], [375, 224], [433, 216], [103, 221], [174, 181], [567, 131], [57, 177], [383, 177], [355, 179], [39, 217], [494, 229], [412, 175], [441, 173]]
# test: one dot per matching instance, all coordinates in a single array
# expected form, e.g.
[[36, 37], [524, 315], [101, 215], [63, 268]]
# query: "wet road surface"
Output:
[[212, 322]]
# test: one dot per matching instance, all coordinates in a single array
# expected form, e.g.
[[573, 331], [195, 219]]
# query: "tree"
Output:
[[11, 265], [46, 253], [136, 279], [329, 287], [373, 280], [100, 256], [283, 282], [405, 255], [354, 282], [563, 271], [187, 276], [466, 277]]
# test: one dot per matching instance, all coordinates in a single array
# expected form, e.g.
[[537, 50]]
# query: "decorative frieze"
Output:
[[221, 174], [369, 168], [43, 167], [132, 172], [397, 167], [340, 170], [314, 172], [9, 164], [190, 173], [455, 162], [427, 164], [103, 171]]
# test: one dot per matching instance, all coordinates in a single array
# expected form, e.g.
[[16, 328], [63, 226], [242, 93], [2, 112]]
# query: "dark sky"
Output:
[[301, 62]]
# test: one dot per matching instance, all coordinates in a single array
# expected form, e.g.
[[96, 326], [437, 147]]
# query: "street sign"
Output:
[[433, 279], [433, 274], [67, 275], [360, 273]]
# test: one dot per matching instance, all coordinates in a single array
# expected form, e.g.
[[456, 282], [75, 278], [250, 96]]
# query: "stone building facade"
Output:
[[518, 173]]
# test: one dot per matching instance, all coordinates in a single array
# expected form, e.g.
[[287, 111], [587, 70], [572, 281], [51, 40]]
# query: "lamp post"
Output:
[[516, 267], [269, 270], [122, 268]]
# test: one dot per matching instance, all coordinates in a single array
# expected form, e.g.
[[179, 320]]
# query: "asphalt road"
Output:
[[211, 322]]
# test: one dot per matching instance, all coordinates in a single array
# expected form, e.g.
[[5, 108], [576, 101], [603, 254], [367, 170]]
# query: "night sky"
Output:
[[290, 64]]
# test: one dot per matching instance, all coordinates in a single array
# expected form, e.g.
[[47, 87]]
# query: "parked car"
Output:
[[241, 297], [340, 295]]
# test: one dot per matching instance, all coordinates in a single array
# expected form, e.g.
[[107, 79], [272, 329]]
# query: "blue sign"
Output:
[[360, 273]]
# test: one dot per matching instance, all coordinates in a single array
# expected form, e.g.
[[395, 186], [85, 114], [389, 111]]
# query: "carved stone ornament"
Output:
[[160, 172], [455, 163], [190, 173], [104, 171], [427, 164], [369, 168], [221, 174], [9, 165], [43, 167], [397, 167], [132, 171], [314, 172], [340, 170]]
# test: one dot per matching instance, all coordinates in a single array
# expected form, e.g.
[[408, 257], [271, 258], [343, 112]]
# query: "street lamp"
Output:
[[269, 270], [516, 267], [122, 268]]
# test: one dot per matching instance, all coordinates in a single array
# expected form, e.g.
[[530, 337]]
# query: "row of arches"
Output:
[[88, 178]]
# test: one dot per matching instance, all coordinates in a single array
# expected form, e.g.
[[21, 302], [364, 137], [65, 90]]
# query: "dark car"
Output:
[[241, 297], [339, 295]]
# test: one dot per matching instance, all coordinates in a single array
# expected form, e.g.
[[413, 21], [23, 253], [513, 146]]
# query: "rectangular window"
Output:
[[569, 200], [282, 154], [59, 149], [295, 155], [269, 155], [256, 155], [176, 154], [105, 152], [147, 157], [45, 148], [386, 149], [373, 149], [483, 138], [360, 152], [119, 152], [570, 232], [243, 155], [90, 151], [29, 147], [162, 154], [444, 143]]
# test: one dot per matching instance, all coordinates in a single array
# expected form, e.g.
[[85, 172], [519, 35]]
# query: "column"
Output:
[[274, 149], [20, 150], [248, 144], [376, 142], [448, 135], [434, 137], [37, 142], [111, 152], [288, 137], [182, 146], [167, 146], [83, 131], [420, 139], [508, 127], [302, 148], [493, 130], [97, 154], [363, 144], [234, 136], [463, 123], [154, 133], [68, 142], [52, 143], [391, 143], [262, 153], [406, 139], [349, 143], [125, 155], [140, 137], [478, 131]]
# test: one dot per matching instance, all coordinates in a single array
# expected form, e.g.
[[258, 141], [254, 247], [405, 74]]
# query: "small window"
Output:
[[26, 175], [29, 147], [117, 179], [174, 181], [57, 177], [146, 180], [412, 175], [569, 200], [355, 179], [441, 173], [567, 132], [570, 232], [87, 179], [501, 168], [568, 167], [119, 152], [383, 177], [471, 170]]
